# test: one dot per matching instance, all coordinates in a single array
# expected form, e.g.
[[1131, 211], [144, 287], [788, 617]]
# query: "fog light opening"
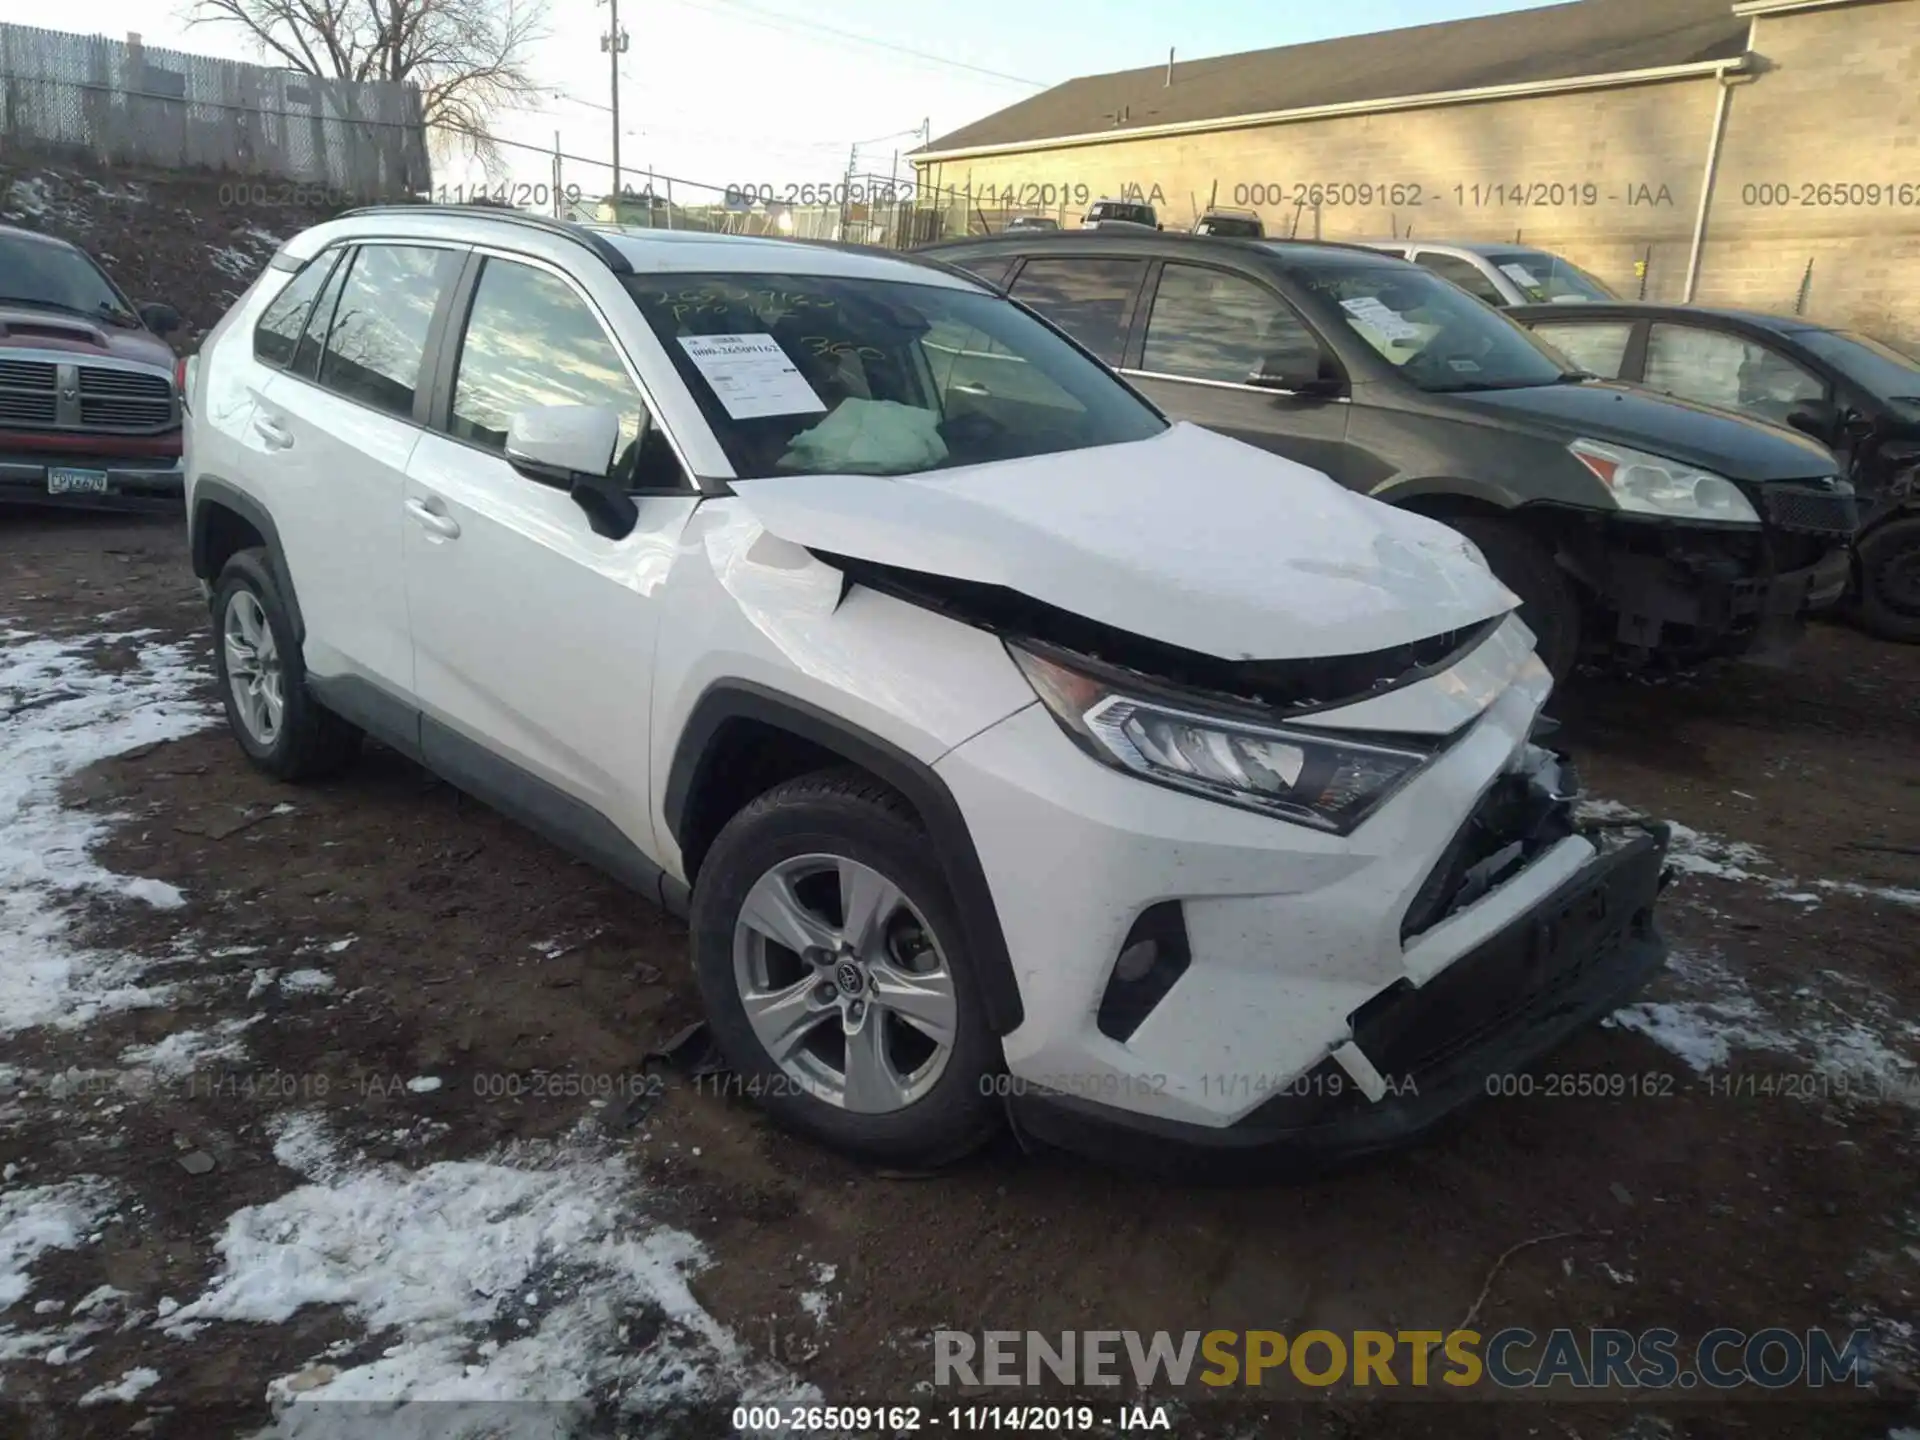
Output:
[[1152, 957]]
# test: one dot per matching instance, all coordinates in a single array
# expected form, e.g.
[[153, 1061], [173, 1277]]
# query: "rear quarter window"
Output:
[[277, 335]]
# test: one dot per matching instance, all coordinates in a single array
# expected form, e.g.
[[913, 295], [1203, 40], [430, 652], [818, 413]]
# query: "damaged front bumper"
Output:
[[1691, 593], [1418, 1054], [1236, 984]]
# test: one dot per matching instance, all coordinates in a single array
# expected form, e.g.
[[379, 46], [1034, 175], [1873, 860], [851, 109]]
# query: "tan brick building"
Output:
[[1593, 129]]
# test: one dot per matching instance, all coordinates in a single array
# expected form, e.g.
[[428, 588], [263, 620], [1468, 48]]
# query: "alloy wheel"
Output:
[[253, 668], [844, 983]]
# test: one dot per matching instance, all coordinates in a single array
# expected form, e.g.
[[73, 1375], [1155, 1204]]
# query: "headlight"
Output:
[[1653, 485], [1323, 780]]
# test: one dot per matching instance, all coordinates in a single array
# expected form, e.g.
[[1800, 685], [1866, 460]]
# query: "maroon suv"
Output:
[[89, 403]]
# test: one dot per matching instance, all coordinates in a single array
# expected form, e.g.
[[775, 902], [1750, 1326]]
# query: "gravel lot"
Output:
[[341, 1091]]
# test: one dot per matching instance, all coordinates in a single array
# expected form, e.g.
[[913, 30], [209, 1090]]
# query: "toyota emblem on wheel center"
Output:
[[847, 976]]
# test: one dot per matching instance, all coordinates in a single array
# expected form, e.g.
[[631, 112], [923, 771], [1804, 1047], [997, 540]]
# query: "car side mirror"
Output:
[[1818, 418], [1300, 373], [161, 319], [570, 447]]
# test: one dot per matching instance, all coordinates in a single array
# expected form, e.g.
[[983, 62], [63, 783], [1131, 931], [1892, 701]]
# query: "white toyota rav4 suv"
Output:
[[1011, 750]]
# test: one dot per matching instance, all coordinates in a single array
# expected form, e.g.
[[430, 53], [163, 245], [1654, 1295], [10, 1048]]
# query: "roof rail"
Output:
[[609, 253], [883, 252], [1127, 237]]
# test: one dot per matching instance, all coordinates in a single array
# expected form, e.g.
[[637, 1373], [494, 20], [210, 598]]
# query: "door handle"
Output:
[[431, 520], [277, 436]]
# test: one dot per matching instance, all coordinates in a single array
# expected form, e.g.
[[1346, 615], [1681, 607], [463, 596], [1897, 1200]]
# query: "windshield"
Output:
[[1118, 210], [34, 271], [1547, 279], [1879, 369], [800, 374], [1440, 337]]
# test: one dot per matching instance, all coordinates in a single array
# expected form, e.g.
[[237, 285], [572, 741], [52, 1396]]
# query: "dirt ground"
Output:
[[474, 951]]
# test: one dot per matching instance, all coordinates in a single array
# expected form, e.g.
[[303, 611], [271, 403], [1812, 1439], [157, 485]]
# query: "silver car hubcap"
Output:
[[844, 983], [253, 668]]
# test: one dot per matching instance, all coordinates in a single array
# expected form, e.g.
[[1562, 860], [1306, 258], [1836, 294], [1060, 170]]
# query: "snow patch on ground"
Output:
[[1693, 852], [1851, 1041], [306, 982], [59, 713], [816, 1303], [185, 1051], [526, 1276], [40, 1218], [129, 1387]]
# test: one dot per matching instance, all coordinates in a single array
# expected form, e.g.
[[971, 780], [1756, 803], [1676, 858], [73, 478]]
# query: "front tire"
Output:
[[1889, 562], [835, 974], [263, 681], [1548, 601]]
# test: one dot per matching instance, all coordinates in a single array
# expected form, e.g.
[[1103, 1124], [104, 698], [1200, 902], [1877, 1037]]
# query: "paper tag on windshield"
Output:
[[752, 375], [1520, 276], [1374, 314]]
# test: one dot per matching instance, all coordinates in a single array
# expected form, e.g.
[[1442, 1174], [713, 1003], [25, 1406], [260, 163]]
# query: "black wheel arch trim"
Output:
[[730, 700], [210, 488], [1402, 489]]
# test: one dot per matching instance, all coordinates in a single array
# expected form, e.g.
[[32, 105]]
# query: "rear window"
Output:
[[800, 374], [377, 340], [278, 333], [1121, 210], [1233, 227], [1547, 279]]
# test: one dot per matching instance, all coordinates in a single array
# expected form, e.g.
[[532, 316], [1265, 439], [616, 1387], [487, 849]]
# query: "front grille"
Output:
[[112, 401], [100, 412], [26, 375], [27, 393], [1811, 509], [1523, 814], [131, 383], [124, 400], [19, 408]]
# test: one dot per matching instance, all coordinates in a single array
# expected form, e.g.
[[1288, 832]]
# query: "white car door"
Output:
[[533, 636], [338, 429]]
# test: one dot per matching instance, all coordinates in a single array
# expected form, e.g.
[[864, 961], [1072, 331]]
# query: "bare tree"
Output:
[[469, 57]]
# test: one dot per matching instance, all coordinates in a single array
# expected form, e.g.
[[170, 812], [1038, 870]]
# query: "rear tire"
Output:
[[1889, 563], [263, 680], [858, 1012], [1548, 601]]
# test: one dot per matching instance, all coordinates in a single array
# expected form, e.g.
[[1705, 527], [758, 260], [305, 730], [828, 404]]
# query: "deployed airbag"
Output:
[[868, 437]]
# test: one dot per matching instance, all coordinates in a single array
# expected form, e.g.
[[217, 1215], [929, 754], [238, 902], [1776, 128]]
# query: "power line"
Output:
[[779, 20], [702, 133]]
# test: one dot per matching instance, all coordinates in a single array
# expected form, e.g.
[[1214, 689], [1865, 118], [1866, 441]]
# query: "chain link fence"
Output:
[[894, 213], [130, 104]]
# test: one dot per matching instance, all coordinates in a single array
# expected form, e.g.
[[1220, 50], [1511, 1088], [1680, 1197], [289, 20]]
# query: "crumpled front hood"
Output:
[[1188, 538]]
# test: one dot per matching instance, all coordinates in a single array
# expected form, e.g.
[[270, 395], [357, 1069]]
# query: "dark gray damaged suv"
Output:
[[1630, 525]]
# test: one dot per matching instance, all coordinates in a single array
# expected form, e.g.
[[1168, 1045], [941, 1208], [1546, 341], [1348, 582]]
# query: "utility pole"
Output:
[[613, 45], [846, 190]]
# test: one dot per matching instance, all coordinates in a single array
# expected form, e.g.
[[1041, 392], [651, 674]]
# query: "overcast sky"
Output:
[[776, 91]]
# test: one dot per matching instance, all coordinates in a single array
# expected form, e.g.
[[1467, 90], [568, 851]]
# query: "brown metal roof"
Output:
[[1557, 42]]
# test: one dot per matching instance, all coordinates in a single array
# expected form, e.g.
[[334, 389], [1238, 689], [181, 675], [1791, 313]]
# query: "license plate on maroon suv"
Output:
[[63, 481]]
